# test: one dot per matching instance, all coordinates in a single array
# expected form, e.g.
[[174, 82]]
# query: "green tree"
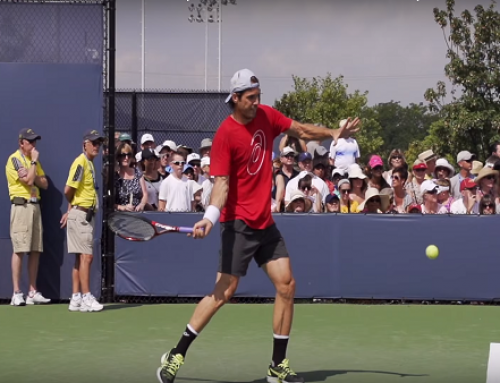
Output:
[[402, 125], [471, 120], [326, 101]]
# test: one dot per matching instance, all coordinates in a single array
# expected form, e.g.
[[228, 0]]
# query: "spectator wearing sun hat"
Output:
[[443, 169], [359, 183], [486, 181], [375, 202], [413, 187], [429, 157], [299, 203], [205, 147]]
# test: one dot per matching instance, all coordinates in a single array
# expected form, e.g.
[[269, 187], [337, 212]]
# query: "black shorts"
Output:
[[240, 243]]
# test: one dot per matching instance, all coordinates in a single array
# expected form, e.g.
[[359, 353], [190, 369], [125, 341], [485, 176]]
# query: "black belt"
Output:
[[23, 201]]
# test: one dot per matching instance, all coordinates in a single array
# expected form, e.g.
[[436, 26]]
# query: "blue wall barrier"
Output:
[[333, 256], [60, 102]]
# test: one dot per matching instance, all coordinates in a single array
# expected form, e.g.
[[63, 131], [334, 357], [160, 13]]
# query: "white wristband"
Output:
[[212, 214]]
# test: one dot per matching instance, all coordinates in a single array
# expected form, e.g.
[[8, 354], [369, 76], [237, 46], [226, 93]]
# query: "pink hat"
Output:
[[375, 161]]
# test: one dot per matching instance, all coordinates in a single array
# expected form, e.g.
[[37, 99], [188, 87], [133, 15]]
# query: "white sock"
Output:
[[86, 295], [77, 296]]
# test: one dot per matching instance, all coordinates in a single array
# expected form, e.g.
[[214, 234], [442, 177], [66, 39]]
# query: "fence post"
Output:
[[135, 122], [108, 256]]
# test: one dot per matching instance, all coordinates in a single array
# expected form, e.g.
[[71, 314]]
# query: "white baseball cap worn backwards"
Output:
[[241, 81]]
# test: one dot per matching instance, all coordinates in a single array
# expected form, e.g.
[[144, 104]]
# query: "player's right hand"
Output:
[[201, 229]]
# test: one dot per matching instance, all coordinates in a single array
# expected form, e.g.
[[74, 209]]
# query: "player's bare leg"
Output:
[[280, 272], [225, 287]]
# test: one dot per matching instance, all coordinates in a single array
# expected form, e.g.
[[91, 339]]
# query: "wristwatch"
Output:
[[33, 162]]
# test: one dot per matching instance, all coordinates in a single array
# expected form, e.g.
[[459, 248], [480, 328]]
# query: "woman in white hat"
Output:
[[374, 202], [359, 184], [443, 169]]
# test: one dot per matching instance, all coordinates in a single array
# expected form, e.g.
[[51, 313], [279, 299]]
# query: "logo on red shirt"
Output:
[[258, 146]]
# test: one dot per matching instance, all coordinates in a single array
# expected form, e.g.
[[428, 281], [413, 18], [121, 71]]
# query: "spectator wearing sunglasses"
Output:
[[175, 190], [346, 205], [401, 199], [307, 187], [285, 174], [486, 181], [332, 204], [430, 196], [443, 169], [444, 197], [464, 161], [374, 172], [375, 202], [468, 204], [131, 193], [487, 205], [396, 159]]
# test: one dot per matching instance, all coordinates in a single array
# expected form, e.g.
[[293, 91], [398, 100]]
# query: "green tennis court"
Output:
[[329, 343]]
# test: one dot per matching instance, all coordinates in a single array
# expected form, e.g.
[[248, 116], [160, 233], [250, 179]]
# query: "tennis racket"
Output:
[[133, 227]]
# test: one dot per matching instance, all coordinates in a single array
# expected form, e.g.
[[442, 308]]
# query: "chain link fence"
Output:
[[62, 32], [185, 117]]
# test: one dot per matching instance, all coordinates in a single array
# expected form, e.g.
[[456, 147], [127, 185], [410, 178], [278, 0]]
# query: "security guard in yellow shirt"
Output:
[[25, 177], [81, 193]]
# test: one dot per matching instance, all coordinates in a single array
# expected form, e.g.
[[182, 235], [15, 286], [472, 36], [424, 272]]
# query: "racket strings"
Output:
[[131, 227]]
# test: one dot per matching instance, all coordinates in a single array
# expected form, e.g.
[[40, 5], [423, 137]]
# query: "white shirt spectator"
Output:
[[207, 186], [345, 152], [318, 183], [177, 193], [458, 207]]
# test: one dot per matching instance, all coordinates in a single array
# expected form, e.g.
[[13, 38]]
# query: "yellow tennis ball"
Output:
[[432, 252]]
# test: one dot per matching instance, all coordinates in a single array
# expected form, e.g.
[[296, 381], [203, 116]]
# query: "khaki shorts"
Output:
[[80, 233], [26, 230]]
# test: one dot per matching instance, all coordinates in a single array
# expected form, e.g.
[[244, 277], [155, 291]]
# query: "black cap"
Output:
[[92, 135], [148, 153], [28, 134]]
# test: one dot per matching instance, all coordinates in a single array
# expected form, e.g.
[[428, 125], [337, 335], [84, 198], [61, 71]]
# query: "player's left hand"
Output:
[[348, 129], [201, 229]]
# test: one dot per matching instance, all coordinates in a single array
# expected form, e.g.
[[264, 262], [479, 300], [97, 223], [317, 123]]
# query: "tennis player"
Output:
[[240, 200]]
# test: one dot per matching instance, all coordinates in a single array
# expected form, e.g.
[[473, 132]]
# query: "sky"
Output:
[[391, 48]]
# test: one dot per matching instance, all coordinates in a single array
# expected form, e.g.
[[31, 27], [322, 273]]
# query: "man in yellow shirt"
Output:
[[25, 177], [81, 193]]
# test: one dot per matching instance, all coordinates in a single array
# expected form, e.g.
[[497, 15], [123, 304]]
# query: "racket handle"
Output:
[[184, 229]]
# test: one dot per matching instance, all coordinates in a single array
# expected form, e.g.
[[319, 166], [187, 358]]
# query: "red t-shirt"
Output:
[[244, 153]]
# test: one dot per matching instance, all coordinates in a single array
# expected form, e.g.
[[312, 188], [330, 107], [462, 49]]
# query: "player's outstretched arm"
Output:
[[218, 200], [308, 132]]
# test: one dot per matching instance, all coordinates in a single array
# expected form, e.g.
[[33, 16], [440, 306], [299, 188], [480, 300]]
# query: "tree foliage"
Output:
[[471, 120], [326, 101], [402, 125]]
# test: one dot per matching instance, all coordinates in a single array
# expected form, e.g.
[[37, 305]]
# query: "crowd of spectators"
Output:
[[309, 178]]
